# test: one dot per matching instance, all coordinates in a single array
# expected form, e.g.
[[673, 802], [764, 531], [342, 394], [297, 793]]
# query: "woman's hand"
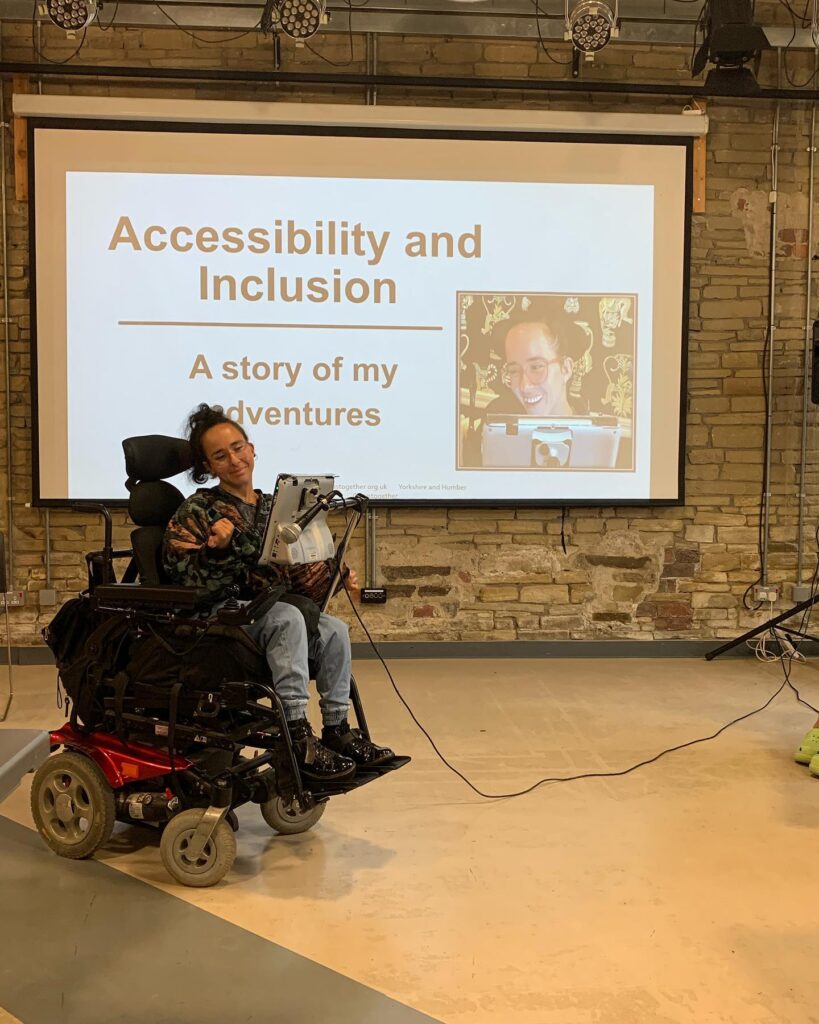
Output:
[[220, 533], [351, 580]]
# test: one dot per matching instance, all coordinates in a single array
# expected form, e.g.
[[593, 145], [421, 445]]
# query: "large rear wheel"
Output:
[[72, 805]]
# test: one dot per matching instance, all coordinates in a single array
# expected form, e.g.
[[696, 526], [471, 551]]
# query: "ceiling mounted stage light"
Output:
[[730, 41], [299, 19], [72, 15], [590, 25]]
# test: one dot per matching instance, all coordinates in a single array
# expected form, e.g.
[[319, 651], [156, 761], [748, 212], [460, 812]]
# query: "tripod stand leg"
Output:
[[799, 634], [797, 608]]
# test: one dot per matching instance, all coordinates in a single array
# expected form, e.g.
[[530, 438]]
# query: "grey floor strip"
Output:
[[21, 751], [81, 943]]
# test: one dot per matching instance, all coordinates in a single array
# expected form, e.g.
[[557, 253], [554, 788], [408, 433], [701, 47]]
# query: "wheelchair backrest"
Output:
[[149, 460]]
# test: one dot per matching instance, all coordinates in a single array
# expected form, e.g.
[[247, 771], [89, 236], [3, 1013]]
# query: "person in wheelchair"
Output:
[[214, 540]]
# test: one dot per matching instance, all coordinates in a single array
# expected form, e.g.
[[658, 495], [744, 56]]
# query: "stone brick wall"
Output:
[[503, 574]]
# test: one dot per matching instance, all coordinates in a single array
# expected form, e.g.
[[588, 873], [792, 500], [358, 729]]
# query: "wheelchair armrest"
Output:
[[114, 553], [138, 595], [235, 614]]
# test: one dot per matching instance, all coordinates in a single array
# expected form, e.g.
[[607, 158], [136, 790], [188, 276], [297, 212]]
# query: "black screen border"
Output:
[[105, 124]]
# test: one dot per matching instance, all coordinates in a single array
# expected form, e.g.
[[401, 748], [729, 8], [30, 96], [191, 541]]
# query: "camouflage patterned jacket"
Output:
[[190, 562]]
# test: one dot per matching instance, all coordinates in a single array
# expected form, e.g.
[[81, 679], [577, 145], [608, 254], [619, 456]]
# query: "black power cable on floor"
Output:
[[786, 683]]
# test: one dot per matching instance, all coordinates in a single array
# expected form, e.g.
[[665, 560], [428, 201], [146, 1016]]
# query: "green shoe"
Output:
[[813, 767], [808, 749]]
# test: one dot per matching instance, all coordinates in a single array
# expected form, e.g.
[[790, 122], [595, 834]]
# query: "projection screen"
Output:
[[439, 318]]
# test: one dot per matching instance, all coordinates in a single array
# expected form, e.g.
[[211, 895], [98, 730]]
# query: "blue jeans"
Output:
[[282, 634]]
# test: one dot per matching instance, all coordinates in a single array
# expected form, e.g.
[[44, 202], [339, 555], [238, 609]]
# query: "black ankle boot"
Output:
[[314, 759], [351, 743]]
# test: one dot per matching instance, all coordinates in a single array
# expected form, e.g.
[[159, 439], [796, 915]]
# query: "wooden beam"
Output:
[[698, 184], [20, 146]]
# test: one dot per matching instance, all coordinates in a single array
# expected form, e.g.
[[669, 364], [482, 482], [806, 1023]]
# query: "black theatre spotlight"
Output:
[[590, 25], [299, 19], [72, 15], [730, 41]]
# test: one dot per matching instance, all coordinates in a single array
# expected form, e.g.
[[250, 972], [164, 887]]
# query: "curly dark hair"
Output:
[[202, 418]]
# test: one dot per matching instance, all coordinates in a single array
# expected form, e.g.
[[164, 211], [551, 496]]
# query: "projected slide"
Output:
[[428, 319]]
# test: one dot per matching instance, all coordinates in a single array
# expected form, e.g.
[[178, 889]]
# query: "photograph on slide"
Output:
[[546, 381]]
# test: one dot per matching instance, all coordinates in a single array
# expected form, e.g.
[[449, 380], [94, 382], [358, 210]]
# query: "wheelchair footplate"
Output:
[[362, 776]]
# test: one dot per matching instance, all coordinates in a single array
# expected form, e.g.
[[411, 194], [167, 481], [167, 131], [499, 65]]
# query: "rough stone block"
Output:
[[544, 594], [498, 592]]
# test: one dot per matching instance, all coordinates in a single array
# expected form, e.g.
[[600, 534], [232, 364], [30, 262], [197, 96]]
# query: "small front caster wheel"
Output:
[[211, 865], [288, 819]]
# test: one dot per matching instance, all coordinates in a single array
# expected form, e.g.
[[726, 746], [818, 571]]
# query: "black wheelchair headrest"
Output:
[[155, 457], [148, 460]]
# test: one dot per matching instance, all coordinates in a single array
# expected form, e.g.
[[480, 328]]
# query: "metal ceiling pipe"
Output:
[[47, 513], [370, 94], [4, 130], [370, 519], [374, 68], [769, 391], [808, 353], [401, 82], [48, 549], [370, 549]]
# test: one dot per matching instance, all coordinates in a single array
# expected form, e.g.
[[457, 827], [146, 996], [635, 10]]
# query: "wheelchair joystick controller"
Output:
[[243, 613]]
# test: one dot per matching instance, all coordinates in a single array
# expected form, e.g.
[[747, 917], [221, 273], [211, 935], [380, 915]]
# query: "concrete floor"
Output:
[[677, 893]]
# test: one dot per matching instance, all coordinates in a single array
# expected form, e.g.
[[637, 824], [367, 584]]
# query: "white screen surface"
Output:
[[349, 300]]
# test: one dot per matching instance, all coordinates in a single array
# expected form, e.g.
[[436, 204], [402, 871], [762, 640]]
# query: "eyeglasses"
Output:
[[535, 370], [221, 457]]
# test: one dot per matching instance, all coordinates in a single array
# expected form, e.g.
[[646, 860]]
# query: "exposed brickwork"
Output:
[[503, 574]]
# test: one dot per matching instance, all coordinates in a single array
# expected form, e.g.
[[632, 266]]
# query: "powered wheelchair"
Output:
[[174, 721]]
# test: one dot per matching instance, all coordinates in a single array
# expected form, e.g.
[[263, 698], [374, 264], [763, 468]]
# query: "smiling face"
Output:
[[536, 372], [229, 456]]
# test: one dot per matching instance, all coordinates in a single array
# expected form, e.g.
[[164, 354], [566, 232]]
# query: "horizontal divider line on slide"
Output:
[[323, 327]]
